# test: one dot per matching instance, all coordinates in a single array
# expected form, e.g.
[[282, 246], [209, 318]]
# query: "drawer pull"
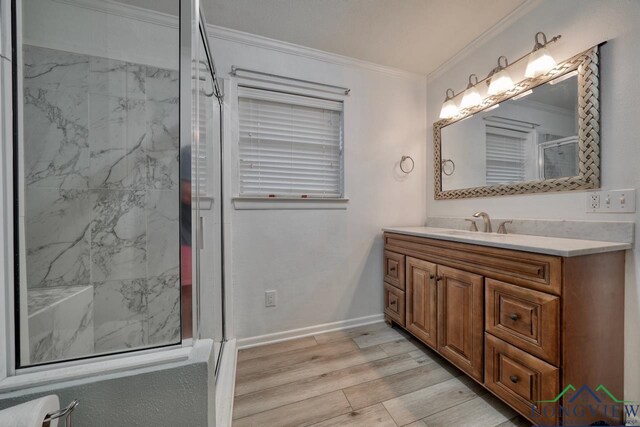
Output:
[[514, 378], [393, 303], [514, 316], [392, 269]]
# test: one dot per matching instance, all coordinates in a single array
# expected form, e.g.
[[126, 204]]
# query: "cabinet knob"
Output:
[[514, 378], [514, 316], [438, 278], [432, 276]]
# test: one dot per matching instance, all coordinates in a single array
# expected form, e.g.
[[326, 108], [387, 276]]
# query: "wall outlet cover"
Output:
[[270, 298]]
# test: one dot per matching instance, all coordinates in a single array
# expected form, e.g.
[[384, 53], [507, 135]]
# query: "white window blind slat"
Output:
[[290, 145], [505, 155]]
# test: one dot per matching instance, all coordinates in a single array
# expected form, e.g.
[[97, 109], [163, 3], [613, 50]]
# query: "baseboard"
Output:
[[309, 330], [225, 384]]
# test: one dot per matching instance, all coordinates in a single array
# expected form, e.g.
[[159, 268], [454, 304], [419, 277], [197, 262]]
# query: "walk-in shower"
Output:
[[117, 180]]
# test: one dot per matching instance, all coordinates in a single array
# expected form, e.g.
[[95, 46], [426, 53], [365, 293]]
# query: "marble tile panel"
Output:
[[57, 236], [116, 78], [54, 69], [162, 85], [163, 231], [64, 328], [120, 317], [162, 145], [56, 148], [117, 132], [163, 301], [118, 236]]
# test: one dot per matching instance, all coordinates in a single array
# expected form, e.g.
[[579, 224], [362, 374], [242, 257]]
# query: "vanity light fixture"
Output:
[[499, 79], [449, 108], [471, 96], [540, 60]]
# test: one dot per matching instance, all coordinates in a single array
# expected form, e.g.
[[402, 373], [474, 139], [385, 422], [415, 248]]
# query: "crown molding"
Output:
[[126, 11], [520, 11], [222, 33], [254, 40]]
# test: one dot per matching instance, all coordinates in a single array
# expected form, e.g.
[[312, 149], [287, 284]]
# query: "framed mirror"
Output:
[[542, 135]]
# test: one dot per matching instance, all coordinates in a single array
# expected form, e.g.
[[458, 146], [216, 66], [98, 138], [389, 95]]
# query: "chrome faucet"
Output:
[[486, 219]]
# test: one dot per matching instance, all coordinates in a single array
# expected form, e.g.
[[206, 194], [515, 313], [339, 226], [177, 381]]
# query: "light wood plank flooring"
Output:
[[372, 375]]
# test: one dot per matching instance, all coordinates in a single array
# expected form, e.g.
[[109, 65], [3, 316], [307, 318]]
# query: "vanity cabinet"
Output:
[[460, 319], [422, 317], [524, 325]]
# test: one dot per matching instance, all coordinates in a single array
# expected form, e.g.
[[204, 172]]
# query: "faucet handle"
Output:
[[502, 229], [472, 226]]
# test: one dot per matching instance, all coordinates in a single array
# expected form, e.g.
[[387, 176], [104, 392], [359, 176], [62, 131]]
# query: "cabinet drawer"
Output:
[[521, 379], [394, 303], [394, 269], [525, 318]]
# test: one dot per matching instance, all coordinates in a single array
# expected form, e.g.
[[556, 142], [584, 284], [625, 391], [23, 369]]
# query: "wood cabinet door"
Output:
[[460, 319], [422, 302]]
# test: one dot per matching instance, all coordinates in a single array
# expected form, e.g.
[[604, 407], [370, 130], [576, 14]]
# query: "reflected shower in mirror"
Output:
[[531, 137]]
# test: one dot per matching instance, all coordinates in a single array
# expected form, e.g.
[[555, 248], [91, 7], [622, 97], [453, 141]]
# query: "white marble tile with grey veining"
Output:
[[60, 323], [607, 231], [118, 236], [163, 231], [163, 301], [117, 132], [120, 317], [56, 149], [57, 237], [54, 69], [116, 78], [162, 85], [162, 145]]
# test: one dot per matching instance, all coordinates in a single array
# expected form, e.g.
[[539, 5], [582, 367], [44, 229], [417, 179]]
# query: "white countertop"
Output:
[[519, 242]]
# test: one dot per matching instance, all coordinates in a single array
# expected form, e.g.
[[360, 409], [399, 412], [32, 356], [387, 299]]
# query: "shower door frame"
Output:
[[11, 377]]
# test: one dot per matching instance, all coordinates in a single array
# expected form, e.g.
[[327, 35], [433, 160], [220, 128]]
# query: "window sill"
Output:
[[50, 374], [282, 203]]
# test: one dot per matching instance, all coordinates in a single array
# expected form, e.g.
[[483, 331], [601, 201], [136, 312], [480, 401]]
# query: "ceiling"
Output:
[[412, 35]]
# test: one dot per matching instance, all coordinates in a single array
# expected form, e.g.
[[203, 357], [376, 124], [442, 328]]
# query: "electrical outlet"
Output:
[[270, 299], [612, 201], [593, 202]]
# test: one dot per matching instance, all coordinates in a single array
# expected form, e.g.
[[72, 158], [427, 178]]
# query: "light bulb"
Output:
[[449, 108], [500, 82], [471, 98], [540, 62]]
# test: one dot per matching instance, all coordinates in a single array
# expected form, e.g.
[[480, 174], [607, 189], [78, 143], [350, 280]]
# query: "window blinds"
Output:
[[290, 145], [505, 155]]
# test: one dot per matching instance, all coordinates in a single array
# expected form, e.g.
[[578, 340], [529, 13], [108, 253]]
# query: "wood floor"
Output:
[[367, 376]]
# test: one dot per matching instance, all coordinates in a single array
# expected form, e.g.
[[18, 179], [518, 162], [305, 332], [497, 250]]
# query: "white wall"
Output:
[[326, 265], [582, 23]]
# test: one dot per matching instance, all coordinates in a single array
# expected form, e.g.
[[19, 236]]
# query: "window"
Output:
[[505, 155], [290, 145]]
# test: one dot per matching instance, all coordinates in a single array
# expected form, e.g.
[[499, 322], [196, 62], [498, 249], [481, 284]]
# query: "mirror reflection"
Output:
[[533, 136]]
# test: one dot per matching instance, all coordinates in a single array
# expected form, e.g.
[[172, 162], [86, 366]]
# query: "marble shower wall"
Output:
[[101, 190]]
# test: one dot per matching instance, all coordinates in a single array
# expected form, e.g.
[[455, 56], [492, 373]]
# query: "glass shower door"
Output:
[[98, 196]]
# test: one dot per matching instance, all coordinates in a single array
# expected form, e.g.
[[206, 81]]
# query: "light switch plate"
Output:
[[612, 201]]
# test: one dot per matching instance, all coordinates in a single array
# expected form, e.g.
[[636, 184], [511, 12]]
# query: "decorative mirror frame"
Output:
[[587, 64]]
